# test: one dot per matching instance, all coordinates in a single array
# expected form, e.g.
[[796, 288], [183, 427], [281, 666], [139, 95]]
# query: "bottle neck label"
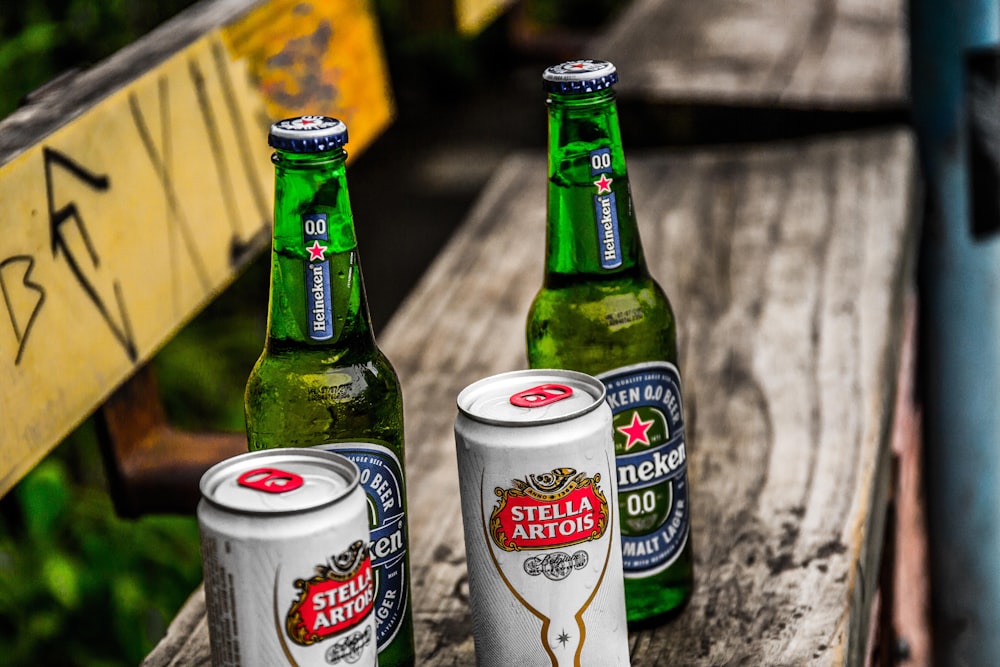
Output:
[[605, 210], [382, 481], [319, 298], [645, 401]]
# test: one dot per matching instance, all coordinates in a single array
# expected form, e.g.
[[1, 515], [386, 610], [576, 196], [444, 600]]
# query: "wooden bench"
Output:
[[721, 71], [788, 265], [837, 55]]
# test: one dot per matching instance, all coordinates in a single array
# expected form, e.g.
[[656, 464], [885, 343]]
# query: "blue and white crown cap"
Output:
[[308, 134], [579, 76]]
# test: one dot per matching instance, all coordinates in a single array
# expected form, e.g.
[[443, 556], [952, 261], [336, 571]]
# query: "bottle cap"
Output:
[[579, 76], [307, 134]]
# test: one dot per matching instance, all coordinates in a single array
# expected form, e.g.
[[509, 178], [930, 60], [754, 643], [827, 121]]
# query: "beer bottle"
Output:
[[321, 379], [600, 312]]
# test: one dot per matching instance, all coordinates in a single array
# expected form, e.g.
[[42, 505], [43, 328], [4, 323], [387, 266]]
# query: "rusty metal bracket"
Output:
[[153, 467]]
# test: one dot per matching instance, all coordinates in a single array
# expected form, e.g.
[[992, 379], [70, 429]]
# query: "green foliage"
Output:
[[40, 39], [79, 586], [203, 369]]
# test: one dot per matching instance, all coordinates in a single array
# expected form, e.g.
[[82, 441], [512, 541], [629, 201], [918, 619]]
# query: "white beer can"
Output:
[[285, 555], [536, 466]]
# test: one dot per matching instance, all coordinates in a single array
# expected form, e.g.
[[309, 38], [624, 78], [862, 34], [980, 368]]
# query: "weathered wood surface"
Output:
[[787, 266], [136, 191], [805, 54]]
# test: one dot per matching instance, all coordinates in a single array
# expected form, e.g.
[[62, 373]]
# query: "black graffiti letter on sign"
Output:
[[76, 247], [22, 305]]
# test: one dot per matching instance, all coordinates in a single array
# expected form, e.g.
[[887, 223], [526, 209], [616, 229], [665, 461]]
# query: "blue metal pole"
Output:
[[960, 336]]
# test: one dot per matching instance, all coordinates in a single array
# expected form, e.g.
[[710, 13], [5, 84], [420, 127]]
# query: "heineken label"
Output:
[[605, 210], [382, 481], [645, 400], [319, 300]]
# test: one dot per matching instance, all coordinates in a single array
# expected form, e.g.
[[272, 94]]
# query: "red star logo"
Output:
[[636, 431], [316, 251], [603, 185]]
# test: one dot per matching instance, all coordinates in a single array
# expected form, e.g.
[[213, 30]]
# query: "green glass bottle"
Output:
[[600, 312], [321, 379]]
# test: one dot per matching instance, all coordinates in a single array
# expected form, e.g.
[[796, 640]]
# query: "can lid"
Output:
[[279, 481], [532, 397], [579, 76], [308, 134]]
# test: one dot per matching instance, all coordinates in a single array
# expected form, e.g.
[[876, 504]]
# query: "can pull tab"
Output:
[[270, 480], [543, 394]]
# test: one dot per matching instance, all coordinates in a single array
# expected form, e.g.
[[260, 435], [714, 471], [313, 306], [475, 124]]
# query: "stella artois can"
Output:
[[285, 555], [536, 465]]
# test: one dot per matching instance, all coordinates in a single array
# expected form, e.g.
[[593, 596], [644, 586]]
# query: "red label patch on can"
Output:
[[337, 598], [551, 510], [270, 480], [543, 394]]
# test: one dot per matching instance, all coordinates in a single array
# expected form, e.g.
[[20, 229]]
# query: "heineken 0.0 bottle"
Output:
[[321, 380], [600, 312]]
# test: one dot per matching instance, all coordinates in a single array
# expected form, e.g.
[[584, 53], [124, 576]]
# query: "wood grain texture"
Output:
[[138, 190], [786, 266], [812, 54]]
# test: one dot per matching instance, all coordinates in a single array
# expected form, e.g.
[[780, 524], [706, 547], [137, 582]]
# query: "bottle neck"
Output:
[[591, 230], [317, 296]]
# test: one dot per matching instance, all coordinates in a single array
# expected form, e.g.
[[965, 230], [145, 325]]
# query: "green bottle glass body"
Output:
[[321, 380], [600, 312]]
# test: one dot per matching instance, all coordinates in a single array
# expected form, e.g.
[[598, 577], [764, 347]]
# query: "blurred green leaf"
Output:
[[44, 624], [35, 39], [44, 494], [62, 579], [129, 603]]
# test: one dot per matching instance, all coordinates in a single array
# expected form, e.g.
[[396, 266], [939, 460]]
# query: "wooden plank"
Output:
[[136, 191], [787, 266], [798, 54]]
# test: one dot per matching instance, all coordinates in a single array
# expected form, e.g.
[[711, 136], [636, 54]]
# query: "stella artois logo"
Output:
[[549, 510], [336, 599]]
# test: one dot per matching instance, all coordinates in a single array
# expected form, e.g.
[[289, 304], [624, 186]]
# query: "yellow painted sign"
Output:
[[318, 58], [472, 16], [118, 227]]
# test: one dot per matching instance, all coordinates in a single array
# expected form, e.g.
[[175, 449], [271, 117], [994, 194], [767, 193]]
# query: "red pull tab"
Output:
[[543, 394], [270, 480]]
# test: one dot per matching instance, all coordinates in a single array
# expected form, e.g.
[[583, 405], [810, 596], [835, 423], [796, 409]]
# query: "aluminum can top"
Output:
[[279, 481], [579, 76], [308, 134], [531, 397]]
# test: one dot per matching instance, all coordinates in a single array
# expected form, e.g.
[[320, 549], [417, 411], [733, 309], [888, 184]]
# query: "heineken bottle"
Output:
[[321, 380], [600, 312]]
